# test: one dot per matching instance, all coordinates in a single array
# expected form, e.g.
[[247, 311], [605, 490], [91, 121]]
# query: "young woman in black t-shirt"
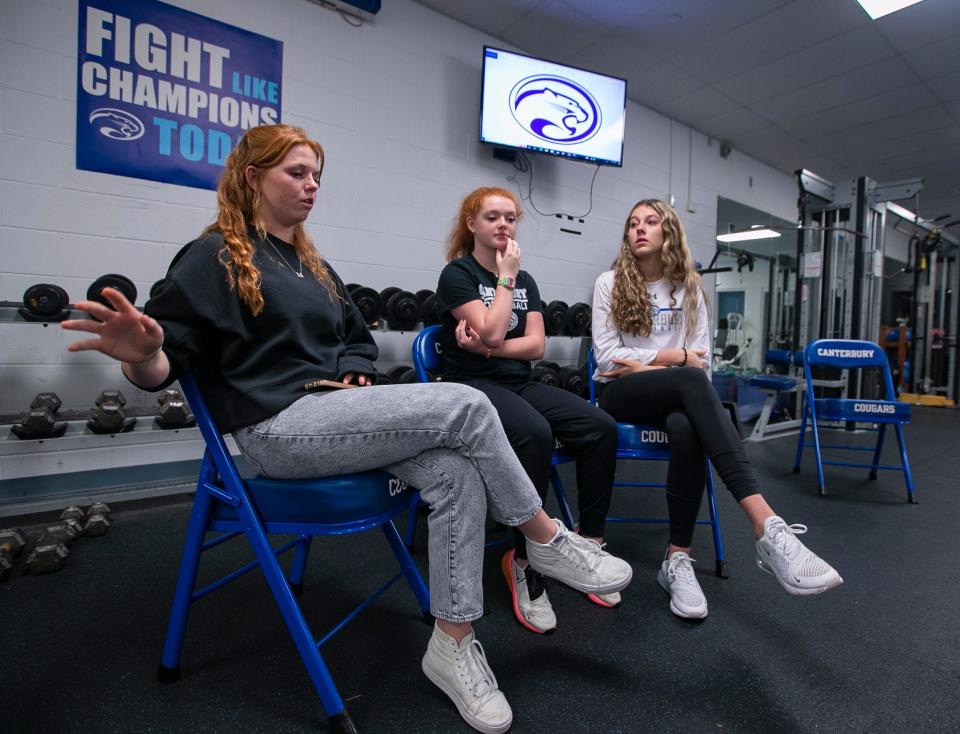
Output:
[[493, 327]]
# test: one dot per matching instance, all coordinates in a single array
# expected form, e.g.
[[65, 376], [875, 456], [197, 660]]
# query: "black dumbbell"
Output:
[[555, 317], [108, 415], [381, 378], [367, 301], [573, 380], [44, 302], [578, 320], [41, 420], [403, 374], [112, 280], [430, 310], [385, 296], [402, 310], [11, 543], [46, 557], [423, 295], [546, 372], [174, 411], [98, 520]]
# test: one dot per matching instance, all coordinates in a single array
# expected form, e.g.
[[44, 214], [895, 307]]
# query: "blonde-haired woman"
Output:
[[252, 309], [650, 315]]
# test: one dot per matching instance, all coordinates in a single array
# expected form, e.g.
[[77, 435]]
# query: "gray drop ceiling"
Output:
[[810, 84]]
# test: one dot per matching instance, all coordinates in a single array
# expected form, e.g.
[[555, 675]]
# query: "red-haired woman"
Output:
[[252, 309], [493, 327], [649, 313]]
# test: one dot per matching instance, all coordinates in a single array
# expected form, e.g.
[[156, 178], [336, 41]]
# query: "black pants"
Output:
[[683, 402], [533, 415]]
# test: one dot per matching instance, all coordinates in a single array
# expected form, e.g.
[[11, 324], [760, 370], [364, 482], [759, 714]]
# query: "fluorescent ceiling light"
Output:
[[879, 8], [750, 234]]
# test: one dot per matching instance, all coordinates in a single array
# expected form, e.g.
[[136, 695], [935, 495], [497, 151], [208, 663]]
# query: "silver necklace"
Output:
[[298, 273]]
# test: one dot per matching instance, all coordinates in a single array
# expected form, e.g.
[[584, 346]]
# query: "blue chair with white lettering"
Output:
[[848, 354], [230, 506], [645, 443]]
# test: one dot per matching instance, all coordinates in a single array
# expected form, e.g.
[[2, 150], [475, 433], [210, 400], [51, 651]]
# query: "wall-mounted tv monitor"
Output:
[[537, 105]]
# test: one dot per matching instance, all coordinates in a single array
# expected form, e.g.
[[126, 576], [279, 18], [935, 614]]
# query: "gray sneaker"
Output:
[[461, 671], [798, 569], [677, 578], [579, 563]]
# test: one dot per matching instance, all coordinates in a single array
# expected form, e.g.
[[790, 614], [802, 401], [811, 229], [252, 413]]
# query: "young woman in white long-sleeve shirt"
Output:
[[649, 314]]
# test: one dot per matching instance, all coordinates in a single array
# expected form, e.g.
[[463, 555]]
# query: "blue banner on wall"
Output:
[[164, 94]]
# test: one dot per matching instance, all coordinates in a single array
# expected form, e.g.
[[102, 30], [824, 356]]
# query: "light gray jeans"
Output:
[[443, 438]]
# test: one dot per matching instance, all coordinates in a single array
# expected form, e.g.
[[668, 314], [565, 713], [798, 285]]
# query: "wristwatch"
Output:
[[507, 282]]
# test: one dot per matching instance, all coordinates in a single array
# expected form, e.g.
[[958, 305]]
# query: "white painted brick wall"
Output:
[[396, 105]]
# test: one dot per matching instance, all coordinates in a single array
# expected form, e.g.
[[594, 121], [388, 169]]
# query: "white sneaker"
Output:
[[579, 563], [677, 578], [531, 605], [461, 671], [606, 600], [798, 569]]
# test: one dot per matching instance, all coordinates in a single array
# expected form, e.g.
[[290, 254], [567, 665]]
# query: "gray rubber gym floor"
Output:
[[880, 654]]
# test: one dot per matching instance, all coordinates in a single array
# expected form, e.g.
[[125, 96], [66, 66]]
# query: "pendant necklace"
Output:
[[298, 273]]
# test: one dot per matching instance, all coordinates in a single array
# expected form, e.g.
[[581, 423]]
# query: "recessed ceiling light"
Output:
[[879, 8], [750, 234]]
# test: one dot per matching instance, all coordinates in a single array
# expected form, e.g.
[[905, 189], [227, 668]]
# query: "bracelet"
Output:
[[148, 360], [684, 362]]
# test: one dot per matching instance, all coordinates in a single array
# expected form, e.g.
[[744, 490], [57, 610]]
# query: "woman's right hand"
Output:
[[508, 260], [124, 334]]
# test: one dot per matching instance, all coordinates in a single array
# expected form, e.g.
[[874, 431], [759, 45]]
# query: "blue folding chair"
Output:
[[648, 442], [227, 504], [850, 354]]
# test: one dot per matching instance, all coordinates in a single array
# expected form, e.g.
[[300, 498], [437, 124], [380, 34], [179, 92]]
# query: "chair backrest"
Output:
[[215, 445], [426, 351], [847, 354]]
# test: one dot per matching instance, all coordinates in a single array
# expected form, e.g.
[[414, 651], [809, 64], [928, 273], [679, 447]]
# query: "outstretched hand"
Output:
[[627, 367], [124, 334]]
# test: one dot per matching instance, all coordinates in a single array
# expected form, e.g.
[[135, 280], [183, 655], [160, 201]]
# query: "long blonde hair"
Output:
[[631, 310], [238, 205], [460, 240]]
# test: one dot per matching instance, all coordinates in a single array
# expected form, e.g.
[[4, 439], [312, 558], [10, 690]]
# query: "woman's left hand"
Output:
[[469, 340], [352, 378], [627, 367]]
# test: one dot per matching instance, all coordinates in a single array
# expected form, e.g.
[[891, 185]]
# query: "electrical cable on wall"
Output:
[[523, 164], [349, 18]]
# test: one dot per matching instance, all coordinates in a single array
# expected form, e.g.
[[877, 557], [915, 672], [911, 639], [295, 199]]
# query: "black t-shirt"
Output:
[[465, 280]]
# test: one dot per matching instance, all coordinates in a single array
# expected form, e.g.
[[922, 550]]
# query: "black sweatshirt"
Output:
[[252, 367]]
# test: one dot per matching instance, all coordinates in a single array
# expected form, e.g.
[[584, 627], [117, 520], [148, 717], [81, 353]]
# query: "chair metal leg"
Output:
[[169, 669], [561, 496], [300, 564], [299, 630], [817, 452], [803, 434], [907, 475], [877, 451], [718, 548], [409, 568]]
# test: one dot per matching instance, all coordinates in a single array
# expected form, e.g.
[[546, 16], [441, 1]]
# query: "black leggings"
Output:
[[532, 415], [683, 402]]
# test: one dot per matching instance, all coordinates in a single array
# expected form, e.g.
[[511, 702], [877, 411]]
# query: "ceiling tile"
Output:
[[947, 88], [491, 16], [935, 59], [661, 82], [703, 104], [738, 123], [611, 55], [554, 30]]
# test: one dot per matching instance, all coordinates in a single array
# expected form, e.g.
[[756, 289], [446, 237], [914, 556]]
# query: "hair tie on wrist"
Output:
[[684, 362], [148, 360]]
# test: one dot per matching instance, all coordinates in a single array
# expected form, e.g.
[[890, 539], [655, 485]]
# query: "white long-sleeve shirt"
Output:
[[667, 331]]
